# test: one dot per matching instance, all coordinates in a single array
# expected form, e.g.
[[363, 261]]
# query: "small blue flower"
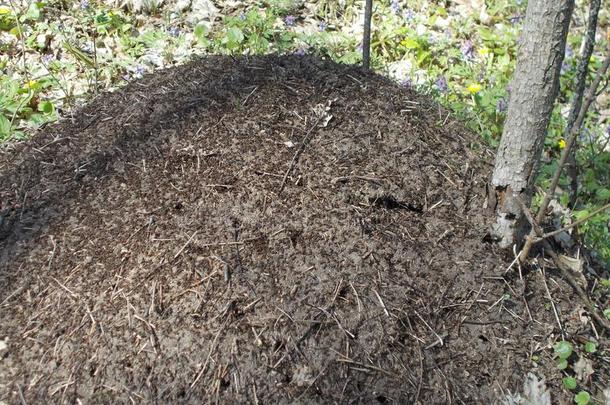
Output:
[[608, 130], [441, 84], [139, 70], [569, 51], [300, 52], [84, 4], [322, 26], [46, 59], [395, 6], [242, 16], [290, 20], [174, 31], [564, 67], [409, 15], [585, 135], [467, 50], [502, 106]]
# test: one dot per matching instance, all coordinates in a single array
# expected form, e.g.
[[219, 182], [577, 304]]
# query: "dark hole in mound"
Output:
[[390, 202], [381, 399]]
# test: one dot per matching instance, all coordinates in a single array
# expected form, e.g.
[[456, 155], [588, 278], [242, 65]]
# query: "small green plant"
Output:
[[582, 398], [590, 347], [563, 350], [569, 383]]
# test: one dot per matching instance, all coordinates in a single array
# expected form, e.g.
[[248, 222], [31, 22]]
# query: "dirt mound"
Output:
[[265, 229]]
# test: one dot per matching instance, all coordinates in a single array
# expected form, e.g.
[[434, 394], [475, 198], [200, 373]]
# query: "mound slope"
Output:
[[264, 229]]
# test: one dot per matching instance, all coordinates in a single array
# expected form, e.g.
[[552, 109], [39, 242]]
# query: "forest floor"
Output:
[[266, 230]]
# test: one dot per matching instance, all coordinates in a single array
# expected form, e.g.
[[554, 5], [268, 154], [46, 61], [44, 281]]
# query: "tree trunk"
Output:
[[366, 36], [532, 95]]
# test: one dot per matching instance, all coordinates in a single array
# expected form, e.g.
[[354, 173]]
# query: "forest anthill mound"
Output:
[[277, 229]]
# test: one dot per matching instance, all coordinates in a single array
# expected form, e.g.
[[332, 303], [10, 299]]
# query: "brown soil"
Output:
[[206, 234]]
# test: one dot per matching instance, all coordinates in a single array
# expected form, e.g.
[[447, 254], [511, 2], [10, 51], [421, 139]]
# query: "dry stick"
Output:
[[565, 271], [572, 225], [298, 153], [564, 156], [366, 38], [548, 293], [581, 79]]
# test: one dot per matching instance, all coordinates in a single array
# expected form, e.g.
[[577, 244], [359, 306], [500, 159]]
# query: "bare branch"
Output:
[[581, 79], [564, 155]]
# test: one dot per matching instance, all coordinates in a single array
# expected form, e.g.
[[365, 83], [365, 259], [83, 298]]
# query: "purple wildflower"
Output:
[[84, 4], [569, 51], [409, 15], [139, 70], [174, 31], [585, 135], [467, 50], [502, 106], [46, 59], [300, 52], [564, 67], [322, 26], [441, 84], [395, 6], [242, 16], [608, 130], [290, 20]]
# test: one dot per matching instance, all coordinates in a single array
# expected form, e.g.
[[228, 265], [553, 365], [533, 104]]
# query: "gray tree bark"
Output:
[[532, 95], [366, 36]]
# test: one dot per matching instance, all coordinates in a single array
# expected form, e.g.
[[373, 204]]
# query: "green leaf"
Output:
[[607, 313], [235, 36], [582, 398], [410, 43], [569, 383], [5, 127], [33, 12], [201, 31], [602, 194], [486, 34], [563, 349], [79, 54], [562, 364], [590, 347], [46, 107]]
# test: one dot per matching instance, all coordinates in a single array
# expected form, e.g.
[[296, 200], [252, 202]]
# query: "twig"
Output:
[[565, 272], [572, 225], [580, 80], [248, 96], [185, 245], [548, 293], [382, 303], [297, 154], [440, 339], [207, 360]]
